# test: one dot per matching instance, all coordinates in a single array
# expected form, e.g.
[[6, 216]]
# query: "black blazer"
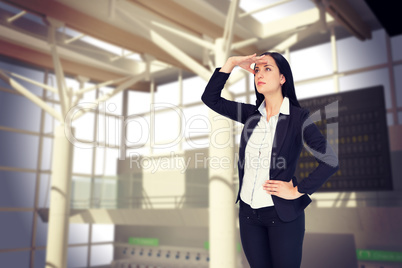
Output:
[[291, 131]]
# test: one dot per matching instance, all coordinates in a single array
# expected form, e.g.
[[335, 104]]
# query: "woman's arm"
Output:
[[327, 160], [212, 94]]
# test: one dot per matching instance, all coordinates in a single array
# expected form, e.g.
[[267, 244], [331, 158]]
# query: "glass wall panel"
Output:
[[14, 259], [398, 84], [17, 189], [368, 79], [102, 233], [78, 233], [311, 62], [15, 229], [18, 150], [77, 257], [354, 54], [101, 255], [396, 44], [16, 111]]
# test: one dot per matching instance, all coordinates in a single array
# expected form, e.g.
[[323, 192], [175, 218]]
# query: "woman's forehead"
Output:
[[271, 62]]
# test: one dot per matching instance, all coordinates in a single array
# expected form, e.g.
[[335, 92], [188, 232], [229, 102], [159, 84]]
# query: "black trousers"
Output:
[[269, 242]]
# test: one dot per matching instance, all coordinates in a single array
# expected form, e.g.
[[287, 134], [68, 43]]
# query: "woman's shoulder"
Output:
[[299, 112]]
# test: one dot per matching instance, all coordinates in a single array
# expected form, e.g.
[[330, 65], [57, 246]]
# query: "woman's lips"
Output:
[[260, 83]]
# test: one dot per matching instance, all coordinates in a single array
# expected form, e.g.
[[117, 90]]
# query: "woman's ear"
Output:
[[283, 79]]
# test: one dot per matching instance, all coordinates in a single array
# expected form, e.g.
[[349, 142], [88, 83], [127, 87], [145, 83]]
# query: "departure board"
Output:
[[354, 124]]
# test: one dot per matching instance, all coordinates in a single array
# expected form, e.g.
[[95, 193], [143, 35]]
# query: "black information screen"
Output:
[[354, 124]]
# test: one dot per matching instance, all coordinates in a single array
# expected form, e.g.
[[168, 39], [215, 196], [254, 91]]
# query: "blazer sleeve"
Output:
[[212, 98], [318, 146]]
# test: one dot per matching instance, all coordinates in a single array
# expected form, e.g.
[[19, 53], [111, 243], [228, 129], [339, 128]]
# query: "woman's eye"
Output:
[[267, 69], [256, 71]]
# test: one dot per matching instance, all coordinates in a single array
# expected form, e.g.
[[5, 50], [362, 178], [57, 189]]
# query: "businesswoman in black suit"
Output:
[[272, 203]]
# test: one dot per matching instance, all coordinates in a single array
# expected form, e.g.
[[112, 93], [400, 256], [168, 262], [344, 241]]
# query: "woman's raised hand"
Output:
[[243, 62]]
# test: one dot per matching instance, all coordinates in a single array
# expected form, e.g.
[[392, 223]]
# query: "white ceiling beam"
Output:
[[169, 47], [195, 40], [245, 14], [293, 23]]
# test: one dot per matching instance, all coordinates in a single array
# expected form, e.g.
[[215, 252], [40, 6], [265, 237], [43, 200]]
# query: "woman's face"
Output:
[[267, 77]]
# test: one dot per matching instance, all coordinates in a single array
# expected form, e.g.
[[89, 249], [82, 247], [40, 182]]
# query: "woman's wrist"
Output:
[[297, 194], [228, 66]]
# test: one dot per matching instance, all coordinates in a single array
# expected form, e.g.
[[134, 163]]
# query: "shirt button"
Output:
[[273, 221]]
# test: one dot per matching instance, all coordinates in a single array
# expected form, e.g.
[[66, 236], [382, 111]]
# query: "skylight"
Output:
[[118, 51], [276, 12]]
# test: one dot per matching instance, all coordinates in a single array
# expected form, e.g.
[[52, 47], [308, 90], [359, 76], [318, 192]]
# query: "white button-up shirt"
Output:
[[258, 158]]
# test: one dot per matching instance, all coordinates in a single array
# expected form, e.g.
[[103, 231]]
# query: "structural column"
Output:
[[59, 210], [222, 238]]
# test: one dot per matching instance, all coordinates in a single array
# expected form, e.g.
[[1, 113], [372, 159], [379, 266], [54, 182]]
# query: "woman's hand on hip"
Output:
[[243, 62], [282, 189]]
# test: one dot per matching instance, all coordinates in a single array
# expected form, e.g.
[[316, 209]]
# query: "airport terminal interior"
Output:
[[109, 158]]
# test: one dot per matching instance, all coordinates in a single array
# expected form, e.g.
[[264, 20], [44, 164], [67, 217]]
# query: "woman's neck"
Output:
[[273, 103]]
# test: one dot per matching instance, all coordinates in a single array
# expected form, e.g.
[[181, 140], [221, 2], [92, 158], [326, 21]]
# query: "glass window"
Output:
[[15, 230], [82, 160], [26, 72], [168, 93], [398, 84], [40, 258], [47, 152], [102, 233], [137, 130], [239, 86], [400, 118], [138, 102], [49, 123], [15, 259], [16, 111], [17, 189], [44, 191], [192, 89], [114, 105], [77, 257], [84, 126], [368, 79], [78, 233], [319, 88], [354, 54], [112, 155], [18, 150], [41, 232], [311, 62], [101, 255], [390, 119], [396, 44], [196, 121], [167, 130]]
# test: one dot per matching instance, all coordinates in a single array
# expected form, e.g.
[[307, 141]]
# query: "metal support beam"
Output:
[[222, 217], [105, 97], [60, 194], [32, 97], [16, 16], [229, 28], [188, 37], [169, 47], [61, 82]]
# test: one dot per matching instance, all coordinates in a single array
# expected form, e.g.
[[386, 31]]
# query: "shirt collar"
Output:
[[284, 109]]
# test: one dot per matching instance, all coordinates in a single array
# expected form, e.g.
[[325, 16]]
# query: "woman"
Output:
[[272, 202]]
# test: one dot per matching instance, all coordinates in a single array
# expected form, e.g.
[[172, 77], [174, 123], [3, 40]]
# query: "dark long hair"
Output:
[[288, 88]]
